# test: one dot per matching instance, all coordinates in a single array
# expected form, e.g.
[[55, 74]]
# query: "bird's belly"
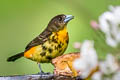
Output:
[[48, 51]]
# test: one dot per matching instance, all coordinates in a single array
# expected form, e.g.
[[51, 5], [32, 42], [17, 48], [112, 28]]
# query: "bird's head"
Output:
[[59, 22]]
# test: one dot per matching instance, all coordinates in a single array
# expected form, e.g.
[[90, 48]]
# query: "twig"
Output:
[[38, 77]]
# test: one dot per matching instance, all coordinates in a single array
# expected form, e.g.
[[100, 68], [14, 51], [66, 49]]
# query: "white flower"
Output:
[[109, 23], [109, 66], [117, 76], [88, 59], [97, 76], [109, 69]]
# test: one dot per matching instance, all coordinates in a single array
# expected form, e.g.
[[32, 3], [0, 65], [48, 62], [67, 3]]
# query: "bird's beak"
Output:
[[68, 18]]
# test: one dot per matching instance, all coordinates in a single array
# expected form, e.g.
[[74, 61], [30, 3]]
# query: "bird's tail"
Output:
[[15, 57]]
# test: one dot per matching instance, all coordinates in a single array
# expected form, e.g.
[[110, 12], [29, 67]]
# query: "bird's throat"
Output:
[[62, 34]]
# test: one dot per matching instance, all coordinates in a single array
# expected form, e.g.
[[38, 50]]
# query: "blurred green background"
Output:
[[23, 20]]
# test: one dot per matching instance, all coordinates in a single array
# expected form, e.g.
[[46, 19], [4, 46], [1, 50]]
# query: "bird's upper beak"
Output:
[[68, 18]]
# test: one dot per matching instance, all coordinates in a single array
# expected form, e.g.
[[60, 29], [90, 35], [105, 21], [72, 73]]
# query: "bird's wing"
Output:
[[39, 39]]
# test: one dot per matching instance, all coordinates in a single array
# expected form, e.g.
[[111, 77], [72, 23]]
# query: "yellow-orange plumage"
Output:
[[63, 35], [28, 54], [36, 53]]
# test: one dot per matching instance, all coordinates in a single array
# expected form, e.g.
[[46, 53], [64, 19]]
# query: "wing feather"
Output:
[[40, 39]]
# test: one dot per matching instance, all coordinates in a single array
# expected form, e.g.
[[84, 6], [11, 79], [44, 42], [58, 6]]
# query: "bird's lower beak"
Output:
[[68, 18]]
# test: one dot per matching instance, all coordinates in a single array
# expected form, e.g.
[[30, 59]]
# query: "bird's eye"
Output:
[[60, 18]]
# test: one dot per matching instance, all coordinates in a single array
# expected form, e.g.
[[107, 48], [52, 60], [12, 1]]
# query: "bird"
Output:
[[49, 44]]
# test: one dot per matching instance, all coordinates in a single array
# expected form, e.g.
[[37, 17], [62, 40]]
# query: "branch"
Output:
[[38, 77]]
